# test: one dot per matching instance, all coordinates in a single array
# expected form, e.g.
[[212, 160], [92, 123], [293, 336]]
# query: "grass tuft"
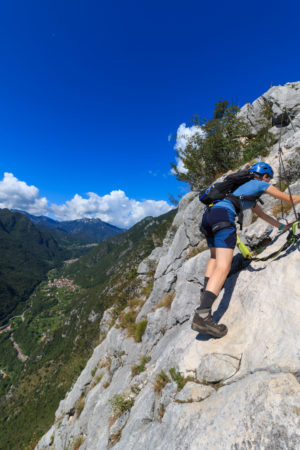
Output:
[[167, 301], [78, 442], [80, 405], [178, 378], [120, 403], [139, 368], [160, 381], [140, 329]]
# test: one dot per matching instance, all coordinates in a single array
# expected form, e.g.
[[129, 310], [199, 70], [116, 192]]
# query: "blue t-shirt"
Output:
[[252, 187]]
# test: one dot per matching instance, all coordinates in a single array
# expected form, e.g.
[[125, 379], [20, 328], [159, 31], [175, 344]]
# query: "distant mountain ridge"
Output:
[[93, 228]]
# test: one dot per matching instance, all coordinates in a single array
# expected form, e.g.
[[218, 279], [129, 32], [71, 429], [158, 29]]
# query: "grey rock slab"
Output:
[[179, 244], [194, 392], [192, 219], [183, 204], [256, 233], [119, 424], [189, 282], [184, 303], [163, 286], [150, 263], [141, 417], [167, 396], [82, 382], [117, 342], [279, 98], [260, 411], [216, 367], [157, 322], [193, 269], [106, 322]]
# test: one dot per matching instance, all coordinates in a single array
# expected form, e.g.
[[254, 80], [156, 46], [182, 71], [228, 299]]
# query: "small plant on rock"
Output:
[[161, 412], [139, 368], [160, 381], [196, 250], [140, 330], [178, 378], [167, 301], [147, 289], [78, 442], [120, 403], [114, 438], [96, 381], [80, 405]]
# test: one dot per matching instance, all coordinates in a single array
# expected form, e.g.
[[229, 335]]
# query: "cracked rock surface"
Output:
[[239, 392]]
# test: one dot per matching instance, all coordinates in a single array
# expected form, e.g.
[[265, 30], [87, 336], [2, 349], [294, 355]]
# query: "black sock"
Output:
[[202, 290], [205, 283], [207, 300]]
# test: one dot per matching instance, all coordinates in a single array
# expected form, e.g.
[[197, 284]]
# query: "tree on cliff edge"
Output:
[[223, 142]]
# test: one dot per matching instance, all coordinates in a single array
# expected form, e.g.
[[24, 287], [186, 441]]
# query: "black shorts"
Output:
[[224, 238]]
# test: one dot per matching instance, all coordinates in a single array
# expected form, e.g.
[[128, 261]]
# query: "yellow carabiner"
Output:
[[294, 226], [243, 248]]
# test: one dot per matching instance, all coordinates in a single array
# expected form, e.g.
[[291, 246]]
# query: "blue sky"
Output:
[[91, 90]]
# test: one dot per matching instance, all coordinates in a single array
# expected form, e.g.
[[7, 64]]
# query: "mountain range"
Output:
[[86, 229]]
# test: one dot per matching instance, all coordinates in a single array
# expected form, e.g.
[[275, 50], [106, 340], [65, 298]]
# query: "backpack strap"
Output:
[[221, 225], [237, 203]]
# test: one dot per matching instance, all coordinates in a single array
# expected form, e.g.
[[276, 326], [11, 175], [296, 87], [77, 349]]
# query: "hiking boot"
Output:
[[204, 323]]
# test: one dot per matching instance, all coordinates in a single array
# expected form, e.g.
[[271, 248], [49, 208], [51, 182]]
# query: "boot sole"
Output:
[[207, 330]]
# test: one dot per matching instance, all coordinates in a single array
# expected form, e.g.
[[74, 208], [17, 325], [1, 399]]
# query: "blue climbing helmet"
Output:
[[261, 168]]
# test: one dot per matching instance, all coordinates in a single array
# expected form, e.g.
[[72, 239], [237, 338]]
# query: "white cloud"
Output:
[[15, 194], [184, 133], [115, 208]]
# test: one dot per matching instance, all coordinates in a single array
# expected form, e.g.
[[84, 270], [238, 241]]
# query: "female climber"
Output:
[[218, 226]]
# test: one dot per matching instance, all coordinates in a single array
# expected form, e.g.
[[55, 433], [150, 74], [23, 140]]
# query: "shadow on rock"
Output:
[[204, 337]]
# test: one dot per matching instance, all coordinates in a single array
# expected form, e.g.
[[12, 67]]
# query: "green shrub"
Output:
[[140, 329], [128, 321], [120, 403], [178, 378]]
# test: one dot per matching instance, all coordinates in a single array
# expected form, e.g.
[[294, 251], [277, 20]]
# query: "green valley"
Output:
[[60, 328]]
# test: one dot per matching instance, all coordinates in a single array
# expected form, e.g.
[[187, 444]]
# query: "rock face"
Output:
[[238, 392]]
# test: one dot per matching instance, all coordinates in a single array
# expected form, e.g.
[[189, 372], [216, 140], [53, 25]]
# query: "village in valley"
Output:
[[62, 283], [43, 331]]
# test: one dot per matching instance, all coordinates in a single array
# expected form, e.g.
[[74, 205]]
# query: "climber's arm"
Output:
[[259, 212], [276, 193]]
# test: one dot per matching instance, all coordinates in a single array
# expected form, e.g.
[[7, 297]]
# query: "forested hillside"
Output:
[[26, 255], [60, 328]]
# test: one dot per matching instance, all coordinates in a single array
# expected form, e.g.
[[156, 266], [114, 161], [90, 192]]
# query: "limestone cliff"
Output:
[[179, 390]]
